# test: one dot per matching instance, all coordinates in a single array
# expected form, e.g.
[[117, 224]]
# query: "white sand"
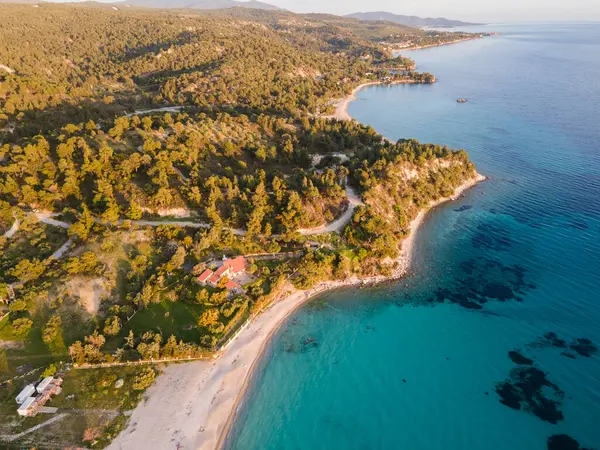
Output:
[[341, 107], [189, 404], [192, 405]]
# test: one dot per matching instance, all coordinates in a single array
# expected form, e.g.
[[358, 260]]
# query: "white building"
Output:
[[32, 397], [44, 384], [26, 409], [28, 391]]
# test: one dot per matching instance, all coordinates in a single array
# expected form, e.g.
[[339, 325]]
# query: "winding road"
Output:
[[337, 226], [12, 230], [163, 109]]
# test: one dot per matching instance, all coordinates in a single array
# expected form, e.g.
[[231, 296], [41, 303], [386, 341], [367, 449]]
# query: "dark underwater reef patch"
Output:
[[303, 345], [463, 208], [482, 280], [499, 130], [578, 225], [490, 236], [551, 339], [519, 358], [563, 442], [582, 346], [318, 304], [497, 291], [528, 389], [468, 266]]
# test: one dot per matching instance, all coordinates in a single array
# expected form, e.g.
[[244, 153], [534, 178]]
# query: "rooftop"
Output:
[[205, 276]]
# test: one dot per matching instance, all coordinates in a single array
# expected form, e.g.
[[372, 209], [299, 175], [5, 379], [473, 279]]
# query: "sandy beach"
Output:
[[192, 405], [341, 107]]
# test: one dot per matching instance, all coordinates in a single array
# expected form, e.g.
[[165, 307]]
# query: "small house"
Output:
[[28, 407], [204, 276], [236, 266], [230, 268], [233, 286]]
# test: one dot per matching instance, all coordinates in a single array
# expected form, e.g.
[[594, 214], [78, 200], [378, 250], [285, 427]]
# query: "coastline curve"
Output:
[[214, 390]]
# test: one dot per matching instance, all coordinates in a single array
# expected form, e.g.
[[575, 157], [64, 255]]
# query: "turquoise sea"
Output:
[[424, 364]]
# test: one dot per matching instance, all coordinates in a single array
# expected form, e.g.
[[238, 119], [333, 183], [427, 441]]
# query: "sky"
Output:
[[470, 10]]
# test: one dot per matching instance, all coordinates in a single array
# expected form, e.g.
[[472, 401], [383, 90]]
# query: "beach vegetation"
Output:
[[148, 146]]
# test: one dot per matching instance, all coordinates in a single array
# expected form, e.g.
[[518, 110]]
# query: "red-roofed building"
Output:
[[203, 278], [222, 271], [214, 280], [232, 285], [236, 265], [230, 269]]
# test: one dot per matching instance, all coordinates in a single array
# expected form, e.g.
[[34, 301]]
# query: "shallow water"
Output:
[[416, 365]]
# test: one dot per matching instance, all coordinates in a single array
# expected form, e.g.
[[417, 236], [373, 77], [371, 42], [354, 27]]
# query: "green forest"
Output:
[[139, 148]]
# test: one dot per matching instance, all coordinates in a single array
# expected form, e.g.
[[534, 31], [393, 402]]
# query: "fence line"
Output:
[[276, 255], [140, 362], [18, 377], [217, 353]]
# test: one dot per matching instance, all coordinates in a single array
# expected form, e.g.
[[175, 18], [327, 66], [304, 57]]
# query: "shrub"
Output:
[[144, 379]]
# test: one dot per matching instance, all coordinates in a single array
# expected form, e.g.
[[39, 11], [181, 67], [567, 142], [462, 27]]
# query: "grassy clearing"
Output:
[[170, 318], [24, 352], [96, 389]]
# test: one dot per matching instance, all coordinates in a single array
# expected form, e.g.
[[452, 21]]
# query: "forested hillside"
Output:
[[411, 21], [63, 63], [140, 148], [201, 4]]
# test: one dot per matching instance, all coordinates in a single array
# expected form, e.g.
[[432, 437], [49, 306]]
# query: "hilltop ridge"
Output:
[[411, 21], [201, 4]]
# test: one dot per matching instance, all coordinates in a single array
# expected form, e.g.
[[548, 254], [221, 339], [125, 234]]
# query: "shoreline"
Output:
[[404, 260], [194, 404], [341, 106], [440, 44]]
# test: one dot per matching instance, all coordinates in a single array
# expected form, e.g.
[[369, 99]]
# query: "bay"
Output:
[[417, 364]]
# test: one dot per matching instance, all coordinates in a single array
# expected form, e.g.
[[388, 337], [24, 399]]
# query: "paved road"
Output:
[[62, 250]]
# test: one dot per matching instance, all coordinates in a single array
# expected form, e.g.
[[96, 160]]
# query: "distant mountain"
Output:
[[200, 4], [411, 21]]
